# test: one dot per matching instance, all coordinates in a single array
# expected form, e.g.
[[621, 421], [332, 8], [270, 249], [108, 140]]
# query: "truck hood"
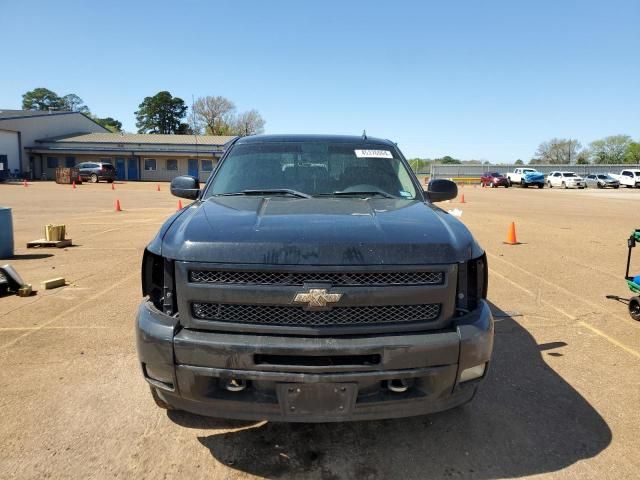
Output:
[[317, 231]]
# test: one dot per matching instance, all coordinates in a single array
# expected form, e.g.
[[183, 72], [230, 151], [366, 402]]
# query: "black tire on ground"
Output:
[[616, 187], [634, 308], [564, 185], [549, 184], [507, 185], [159, 402], [541, 185], [94, 178], [600, 185], [523, 185]]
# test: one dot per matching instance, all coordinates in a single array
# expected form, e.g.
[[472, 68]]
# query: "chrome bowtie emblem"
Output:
[[317, 297]]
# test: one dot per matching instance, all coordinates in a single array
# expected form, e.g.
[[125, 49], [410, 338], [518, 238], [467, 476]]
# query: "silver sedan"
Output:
[[601, 180]]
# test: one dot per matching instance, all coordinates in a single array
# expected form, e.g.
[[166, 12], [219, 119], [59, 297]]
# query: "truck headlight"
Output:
[[472, 283], [158, 282]]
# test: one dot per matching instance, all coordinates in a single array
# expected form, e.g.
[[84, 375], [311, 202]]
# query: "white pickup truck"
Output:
[[526, 177], [629, 178]]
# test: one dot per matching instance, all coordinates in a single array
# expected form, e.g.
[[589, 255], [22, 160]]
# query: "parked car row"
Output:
[[527, 176]]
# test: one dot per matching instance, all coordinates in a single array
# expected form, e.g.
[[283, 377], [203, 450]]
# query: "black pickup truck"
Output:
[[312, 280]]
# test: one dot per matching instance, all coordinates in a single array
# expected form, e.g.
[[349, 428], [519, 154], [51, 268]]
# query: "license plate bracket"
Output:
[[317, 399]]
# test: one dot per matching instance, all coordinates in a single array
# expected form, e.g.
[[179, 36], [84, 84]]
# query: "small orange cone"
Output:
[[179, 204], [24, 183], [511, 235], [462, 199], [118, 209], [158, 187], [73, 184], [113, 186]]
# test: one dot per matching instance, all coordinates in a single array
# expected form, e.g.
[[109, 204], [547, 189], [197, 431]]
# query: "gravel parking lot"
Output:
[[561, 400]]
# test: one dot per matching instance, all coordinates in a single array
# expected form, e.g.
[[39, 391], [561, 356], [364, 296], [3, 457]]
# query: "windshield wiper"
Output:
[[268, 191], [356, 193]]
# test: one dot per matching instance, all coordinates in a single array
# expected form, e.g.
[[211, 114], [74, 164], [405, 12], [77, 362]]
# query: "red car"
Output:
[[494, 180]]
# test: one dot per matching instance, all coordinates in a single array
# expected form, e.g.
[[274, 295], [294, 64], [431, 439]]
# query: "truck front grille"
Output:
[[335, 278], [298, 317]]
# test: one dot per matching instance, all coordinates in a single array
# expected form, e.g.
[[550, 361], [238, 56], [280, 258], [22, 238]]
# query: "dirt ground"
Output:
[[561, 400]]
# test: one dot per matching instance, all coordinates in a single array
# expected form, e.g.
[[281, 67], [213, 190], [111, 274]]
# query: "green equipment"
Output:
[[633, 282]]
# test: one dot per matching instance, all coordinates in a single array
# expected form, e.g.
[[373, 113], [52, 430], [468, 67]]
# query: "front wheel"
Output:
[[564, 185], [634, 308], [600, 185], [616, 187], [94, 178], [549, 184]]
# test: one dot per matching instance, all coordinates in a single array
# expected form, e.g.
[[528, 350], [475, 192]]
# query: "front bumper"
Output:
[[189, 368]]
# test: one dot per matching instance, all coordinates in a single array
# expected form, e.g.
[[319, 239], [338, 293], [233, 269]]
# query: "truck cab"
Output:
[[311, 280]]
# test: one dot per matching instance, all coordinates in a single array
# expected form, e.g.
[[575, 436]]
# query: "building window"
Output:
[[69, 162], [52, 162], [207, 165], [150, 164], [172, 164]]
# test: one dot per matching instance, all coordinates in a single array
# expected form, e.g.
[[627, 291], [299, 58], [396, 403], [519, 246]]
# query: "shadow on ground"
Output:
[[526, 420]]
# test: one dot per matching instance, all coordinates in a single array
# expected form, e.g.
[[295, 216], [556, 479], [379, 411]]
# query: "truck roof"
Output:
[[314, 138]]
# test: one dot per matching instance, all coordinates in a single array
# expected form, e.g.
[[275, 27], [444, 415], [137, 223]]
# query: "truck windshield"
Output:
[[313, 169]]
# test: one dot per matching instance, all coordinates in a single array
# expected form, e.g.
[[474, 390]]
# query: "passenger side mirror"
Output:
[[440, 190], [185, 186]]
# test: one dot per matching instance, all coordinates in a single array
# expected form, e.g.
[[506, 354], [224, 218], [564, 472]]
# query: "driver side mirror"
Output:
[[439, 190], [185, 186]]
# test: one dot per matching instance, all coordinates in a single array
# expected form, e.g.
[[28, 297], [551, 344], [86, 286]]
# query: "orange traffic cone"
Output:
[[73, 184], [24, 183], [179, 204], [118, 209], [158, 187], [511, 235], [113, 186], [462, 199]]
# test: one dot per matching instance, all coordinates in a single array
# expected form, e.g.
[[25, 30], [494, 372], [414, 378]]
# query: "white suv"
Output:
[[565, 180]]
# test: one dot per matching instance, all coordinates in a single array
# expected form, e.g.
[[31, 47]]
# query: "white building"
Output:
[[33, 144]]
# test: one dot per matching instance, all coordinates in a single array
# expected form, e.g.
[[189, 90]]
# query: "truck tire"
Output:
[[549, 185], [541, 185], [159, 402], [564, 185], [634, 308], [523, 185]]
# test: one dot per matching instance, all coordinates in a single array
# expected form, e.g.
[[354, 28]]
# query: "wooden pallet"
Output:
[[43, 243]]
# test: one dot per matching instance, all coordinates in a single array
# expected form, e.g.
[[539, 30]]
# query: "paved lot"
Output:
[[562, 398]]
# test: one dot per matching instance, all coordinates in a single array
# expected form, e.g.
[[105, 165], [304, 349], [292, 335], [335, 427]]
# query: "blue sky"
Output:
[[485, 80]]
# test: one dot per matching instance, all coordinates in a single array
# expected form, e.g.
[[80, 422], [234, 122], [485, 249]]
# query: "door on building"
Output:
[[132, 168], [120, 175], [192, 167]]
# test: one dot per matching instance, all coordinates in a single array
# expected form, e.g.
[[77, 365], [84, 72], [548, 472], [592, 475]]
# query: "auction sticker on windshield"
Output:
[[373, 154]]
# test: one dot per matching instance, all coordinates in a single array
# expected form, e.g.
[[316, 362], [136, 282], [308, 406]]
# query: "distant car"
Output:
[[565, 180], [95, 171], [494, 180], [601, 180]]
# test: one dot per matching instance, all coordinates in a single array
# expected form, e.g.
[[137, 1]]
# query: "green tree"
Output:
[[610, 149], [108, 122], [42, 99], [583, 157], [74, 103], [519, 162], [447, 160], [162, 113], [632, 154]]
